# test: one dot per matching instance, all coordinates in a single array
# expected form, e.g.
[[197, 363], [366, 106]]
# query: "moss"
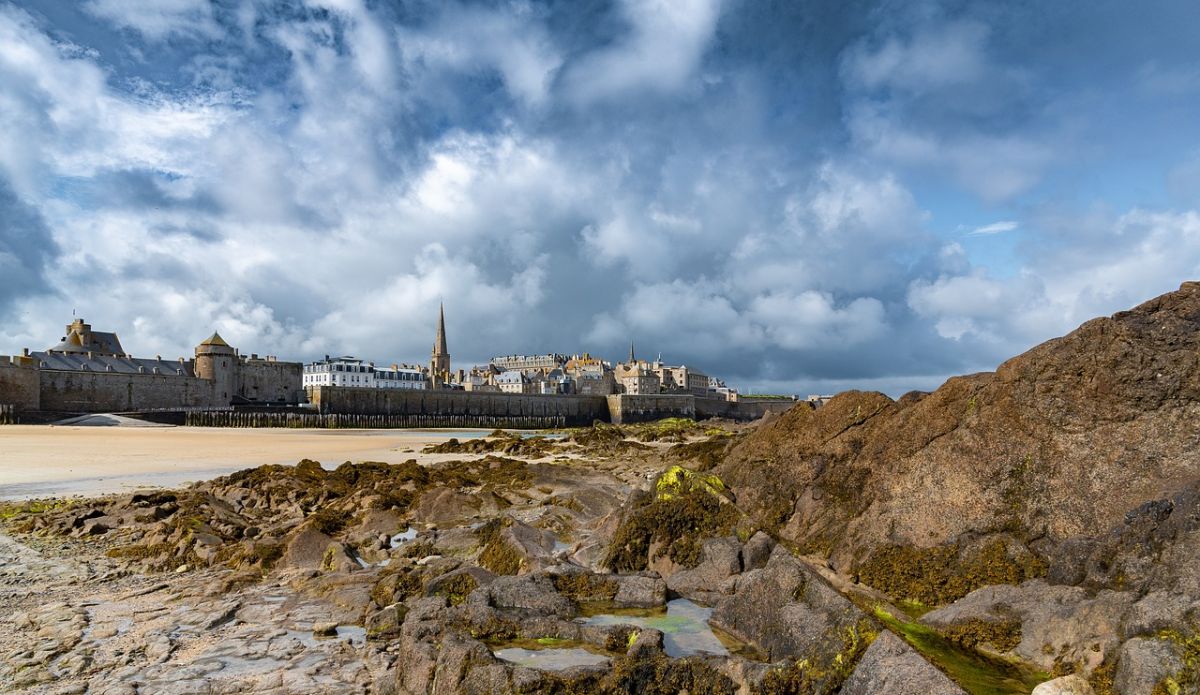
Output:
[[805, 677], [677, 518], [1003, 635], [1103, 678], [396, 585], [1187, 680], [419, 549], [705, 455], [656, 674], [621, 639], [140, 552], [501, 557], [978, 674], [330, 521], [943, 574], [456, 589], [584, 587]]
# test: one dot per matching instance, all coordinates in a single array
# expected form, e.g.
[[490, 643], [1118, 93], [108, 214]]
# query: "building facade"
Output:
[[354, 372]]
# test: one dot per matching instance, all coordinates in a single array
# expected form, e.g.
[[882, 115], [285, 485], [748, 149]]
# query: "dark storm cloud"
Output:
[[26, 249]]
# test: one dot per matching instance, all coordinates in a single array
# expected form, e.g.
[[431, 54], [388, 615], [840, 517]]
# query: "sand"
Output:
[[38, 461]]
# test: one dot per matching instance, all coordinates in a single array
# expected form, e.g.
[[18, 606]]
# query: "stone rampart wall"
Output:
[[19, 385], [574, 410], [106, 392], [270, 382], [743, 411], [626, 409]]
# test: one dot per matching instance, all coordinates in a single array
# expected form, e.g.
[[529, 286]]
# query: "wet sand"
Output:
[[39, 461]]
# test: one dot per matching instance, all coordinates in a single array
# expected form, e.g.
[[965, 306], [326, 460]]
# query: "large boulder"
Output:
[[788, 611], [306, 548], [891, 667]]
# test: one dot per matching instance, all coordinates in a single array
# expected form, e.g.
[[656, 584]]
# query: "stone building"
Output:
[[590, 376], [354, 372], [89, 371], [526, 362]]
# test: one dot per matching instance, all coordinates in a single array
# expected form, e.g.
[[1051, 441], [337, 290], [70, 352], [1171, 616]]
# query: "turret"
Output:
[[216, 361]]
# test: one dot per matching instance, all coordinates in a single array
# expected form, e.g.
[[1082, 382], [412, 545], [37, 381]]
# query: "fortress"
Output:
[[89, 372]]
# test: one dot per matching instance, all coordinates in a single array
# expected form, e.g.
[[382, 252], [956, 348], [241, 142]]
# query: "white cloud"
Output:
[[1122, 262], [933, 57], [507, 39], [661, 52], [159, 19], [994, 228]]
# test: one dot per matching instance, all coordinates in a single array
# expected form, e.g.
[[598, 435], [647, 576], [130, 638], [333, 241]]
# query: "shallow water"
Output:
[[550, 659], [404, 536], [684, 625]]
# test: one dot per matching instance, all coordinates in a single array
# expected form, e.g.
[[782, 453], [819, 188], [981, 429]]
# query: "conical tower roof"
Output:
[[215, 340]]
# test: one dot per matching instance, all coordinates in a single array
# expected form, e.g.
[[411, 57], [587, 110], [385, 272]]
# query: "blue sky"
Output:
[[802, 197]]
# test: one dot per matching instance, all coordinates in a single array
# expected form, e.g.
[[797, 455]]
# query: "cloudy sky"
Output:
[[801, 197]]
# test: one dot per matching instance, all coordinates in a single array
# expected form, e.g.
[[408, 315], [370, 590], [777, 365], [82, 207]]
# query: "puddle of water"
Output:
[[404, 536], [684, 625], [561, 547], [553, 659], [351, 633]]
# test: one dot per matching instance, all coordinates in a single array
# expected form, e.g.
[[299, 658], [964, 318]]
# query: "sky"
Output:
[[797, 197]]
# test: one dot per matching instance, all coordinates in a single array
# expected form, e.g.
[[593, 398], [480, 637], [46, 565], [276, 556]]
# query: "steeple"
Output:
[[632, 359], [439, 344], [439, 365]]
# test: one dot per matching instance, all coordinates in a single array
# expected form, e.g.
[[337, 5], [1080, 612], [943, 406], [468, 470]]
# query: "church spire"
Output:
[[439, 344], [439, 366], [632, 359]]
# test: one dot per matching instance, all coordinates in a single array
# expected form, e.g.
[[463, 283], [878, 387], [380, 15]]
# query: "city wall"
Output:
[[19, 385], [107, 392], [741, 410], [625, 409], [571, 410]]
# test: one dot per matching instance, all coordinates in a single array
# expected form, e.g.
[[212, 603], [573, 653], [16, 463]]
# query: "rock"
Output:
[[325, 629], [531, 594], [457, 585], [757, 551], [1085, 443], [1056, 623], [647, 642], [720, 558], [1144, 662], [339, 558], [1158, 611], [94, 528], [638, 591], [385, 623], [788, 611], [891, 667], [1067, 685], [306, 548]]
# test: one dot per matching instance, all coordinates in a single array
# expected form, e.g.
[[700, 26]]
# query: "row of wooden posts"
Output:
[[233, 418]]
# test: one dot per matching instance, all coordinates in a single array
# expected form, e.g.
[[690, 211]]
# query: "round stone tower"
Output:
[[216, 361]]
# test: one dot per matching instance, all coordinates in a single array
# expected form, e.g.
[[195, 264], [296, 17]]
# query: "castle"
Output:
[[89, 371]]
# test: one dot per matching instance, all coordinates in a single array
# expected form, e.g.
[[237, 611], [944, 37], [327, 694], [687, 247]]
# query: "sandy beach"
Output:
[[38, 461]]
